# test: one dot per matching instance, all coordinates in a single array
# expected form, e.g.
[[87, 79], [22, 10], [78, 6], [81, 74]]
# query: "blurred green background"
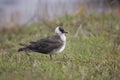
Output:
[[93, 43]]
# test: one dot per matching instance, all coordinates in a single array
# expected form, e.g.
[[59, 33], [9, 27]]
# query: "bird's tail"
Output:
[[22, 49]]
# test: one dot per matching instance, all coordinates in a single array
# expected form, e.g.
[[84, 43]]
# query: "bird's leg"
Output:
[[30, 58], [51, 56]]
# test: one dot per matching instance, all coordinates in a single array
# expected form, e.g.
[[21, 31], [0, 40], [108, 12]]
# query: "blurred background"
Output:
[[93, 44], [32, 11]]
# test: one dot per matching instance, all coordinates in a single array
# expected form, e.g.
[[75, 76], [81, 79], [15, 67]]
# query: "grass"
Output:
[[86, 57]]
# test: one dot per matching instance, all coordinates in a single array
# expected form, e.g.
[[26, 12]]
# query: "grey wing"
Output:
[[45, 45]]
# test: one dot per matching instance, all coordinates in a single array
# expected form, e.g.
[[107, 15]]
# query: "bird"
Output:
[[48, 45]]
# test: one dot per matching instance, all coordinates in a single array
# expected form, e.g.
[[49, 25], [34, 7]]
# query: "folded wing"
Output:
[[45, 45]]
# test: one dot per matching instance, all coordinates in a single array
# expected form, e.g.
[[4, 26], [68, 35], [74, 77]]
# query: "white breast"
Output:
[[55, 51], [61, 49], [63, 38]]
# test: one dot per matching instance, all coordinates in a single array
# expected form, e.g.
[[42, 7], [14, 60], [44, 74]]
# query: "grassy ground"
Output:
[[89, 55]]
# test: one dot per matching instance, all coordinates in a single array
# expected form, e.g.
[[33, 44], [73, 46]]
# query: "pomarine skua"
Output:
[[49, 45]]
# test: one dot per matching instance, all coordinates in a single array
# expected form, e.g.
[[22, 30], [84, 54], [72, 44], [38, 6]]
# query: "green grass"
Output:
[[86, 57]]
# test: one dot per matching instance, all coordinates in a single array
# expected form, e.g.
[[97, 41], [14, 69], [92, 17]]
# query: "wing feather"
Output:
[[45, 45]]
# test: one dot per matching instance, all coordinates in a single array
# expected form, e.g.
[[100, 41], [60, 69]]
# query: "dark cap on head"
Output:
[[62, 30]]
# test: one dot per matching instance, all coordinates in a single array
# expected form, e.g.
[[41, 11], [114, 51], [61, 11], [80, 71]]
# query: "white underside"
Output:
[[55, 51], [63, 38], [61, 49]]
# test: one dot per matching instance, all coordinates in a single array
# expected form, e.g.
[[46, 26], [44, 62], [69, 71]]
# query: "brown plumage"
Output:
[[45, 46], [49, 45]]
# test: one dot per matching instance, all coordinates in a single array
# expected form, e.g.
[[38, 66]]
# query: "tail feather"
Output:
[[21, 49], [24, 48]]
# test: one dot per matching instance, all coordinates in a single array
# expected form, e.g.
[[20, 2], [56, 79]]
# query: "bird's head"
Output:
[[60, 31]]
